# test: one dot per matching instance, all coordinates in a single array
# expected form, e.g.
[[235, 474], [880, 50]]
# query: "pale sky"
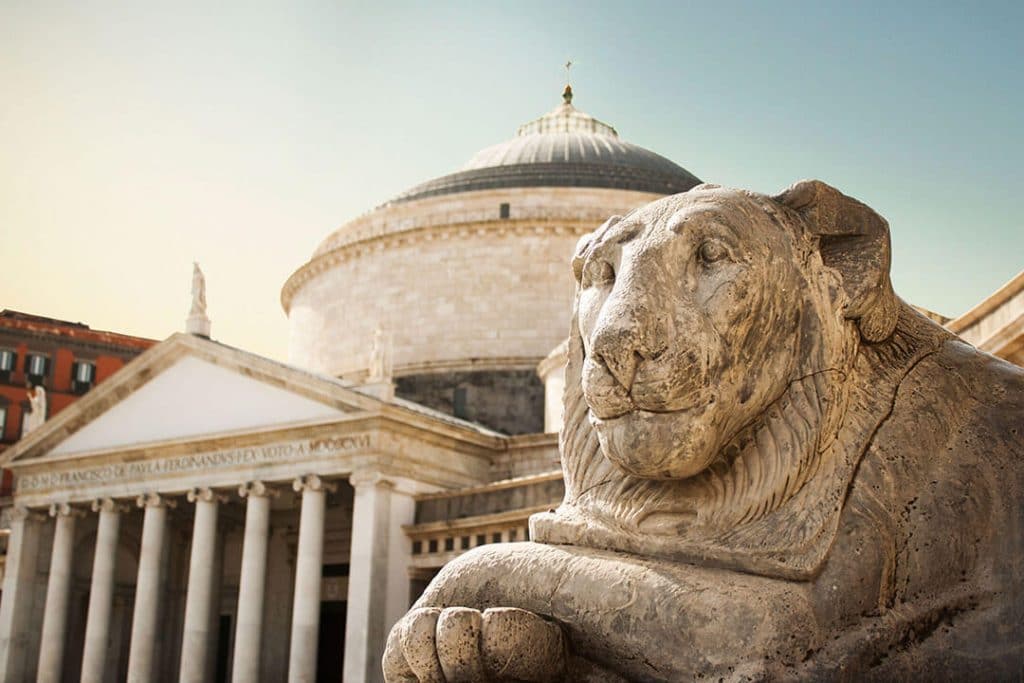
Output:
[[138, 136]]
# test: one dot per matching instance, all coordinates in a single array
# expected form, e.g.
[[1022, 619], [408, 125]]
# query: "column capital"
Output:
[[108, 505], [155, 500], [257, 489], [20, 513], [312, 482], [369, 477], [65, 510], [206, 495]]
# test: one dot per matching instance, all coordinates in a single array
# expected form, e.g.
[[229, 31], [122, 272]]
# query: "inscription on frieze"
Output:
[[249, 455]]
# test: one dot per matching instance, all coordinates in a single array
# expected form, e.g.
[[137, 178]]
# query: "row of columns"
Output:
[[200, 594]]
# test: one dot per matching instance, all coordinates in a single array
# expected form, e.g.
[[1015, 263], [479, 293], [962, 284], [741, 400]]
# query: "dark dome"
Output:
[[564, 148]]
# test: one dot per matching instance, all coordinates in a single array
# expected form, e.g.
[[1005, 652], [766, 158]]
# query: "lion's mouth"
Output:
[[609, 399], [604, 417]]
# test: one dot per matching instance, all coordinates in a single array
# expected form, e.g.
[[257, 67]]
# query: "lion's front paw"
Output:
[[459, 644]]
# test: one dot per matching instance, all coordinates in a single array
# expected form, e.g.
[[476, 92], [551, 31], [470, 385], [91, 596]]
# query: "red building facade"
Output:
[[67, 359]]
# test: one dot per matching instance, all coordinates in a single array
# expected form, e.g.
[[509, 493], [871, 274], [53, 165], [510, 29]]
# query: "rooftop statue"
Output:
[[380, 357], [198, 291], [775, 470], [37, 402], [198, 322]]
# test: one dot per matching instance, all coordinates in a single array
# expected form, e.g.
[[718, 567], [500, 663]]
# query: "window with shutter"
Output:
[[37, 366], [83, 374], [7, 358]]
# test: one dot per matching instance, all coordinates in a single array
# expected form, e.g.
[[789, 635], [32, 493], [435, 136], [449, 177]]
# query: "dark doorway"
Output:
[[330, 657], [223, 649]]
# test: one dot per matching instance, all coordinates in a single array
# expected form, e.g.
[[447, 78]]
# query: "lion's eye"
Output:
[[710, 252], [598, 272]]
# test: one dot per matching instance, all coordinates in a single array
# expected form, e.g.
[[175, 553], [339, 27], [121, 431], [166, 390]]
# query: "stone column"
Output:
[[249, 626], [397, 603], [374, 587], [18, 594], [147, 587], [58, 589], [199, 605], [308, 570], [223, 527], [101, 591]]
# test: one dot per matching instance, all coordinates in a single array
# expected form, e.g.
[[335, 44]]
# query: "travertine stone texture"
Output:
[[775, 469], [457, 287], [199, 602], [101, 591], [58, 591], [253, 581], [309, 559], [147, 587]]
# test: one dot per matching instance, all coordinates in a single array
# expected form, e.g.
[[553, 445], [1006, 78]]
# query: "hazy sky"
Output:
[[138, 136]]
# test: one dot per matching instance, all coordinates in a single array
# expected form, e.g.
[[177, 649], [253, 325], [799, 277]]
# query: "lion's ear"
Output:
[[854, 240], [580, 255], [585, 243]]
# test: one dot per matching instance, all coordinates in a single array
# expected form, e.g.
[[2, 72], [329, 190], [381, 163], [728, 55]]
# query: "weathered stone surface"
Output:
[[775, 469], [462, 644]]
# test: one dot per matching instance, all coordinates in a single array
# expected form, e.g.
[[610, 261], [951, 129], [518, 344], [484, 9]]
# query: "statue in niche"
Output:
[[380, 357], [37, 404], [775, 470]]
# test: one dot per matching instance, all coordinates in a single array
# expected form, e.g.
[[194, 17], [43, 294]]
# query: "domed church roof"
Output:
[[563, 148]]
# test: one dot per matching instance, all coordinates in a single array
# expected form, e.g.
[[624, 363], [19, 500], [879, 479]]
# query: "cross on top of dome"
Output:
[[567, 93]]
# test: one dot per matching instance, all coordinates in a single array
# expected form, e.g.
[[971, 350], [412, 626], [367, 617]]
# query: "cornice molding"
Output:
[[463, 365], [62, 341]]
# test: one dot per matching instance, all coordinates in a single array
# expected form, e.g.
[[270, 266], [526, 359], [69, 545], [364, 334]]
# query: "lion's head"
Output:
[[713, 341]]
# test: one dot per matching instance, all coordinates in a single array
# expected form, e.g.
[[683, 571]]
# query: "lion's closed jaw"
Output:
[[637, 442]]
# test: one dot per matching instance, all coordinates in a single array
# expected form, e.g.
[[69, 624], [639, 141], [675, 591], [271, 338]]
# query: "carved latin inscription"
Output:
[[252, 455]]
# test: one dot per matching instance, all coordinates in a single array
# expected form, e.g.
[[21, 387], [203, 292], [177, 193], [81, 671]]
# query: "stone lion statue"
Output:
[[775, 470]]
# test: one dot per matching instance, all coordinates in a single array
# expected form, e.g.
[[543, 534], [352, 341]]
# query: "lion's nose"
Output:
[[621, 366], [623, 347]]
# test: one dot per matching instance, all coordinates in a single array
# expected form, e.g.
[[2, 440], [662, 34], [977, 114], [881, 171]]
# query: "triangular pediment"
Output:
[[194, 398], [189, 388]]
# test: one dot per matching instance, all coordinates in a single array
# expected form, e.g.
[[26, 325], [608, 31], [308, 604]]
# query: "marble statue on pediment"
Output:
[[37, 404]]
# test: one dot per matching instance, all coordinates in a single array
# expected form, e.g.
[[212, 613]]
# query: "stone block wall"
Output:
[[465, 295]]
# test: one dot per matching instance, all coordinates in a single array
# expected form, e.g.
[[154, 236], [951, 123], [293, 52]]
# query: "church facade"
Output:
[[214, 515]]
